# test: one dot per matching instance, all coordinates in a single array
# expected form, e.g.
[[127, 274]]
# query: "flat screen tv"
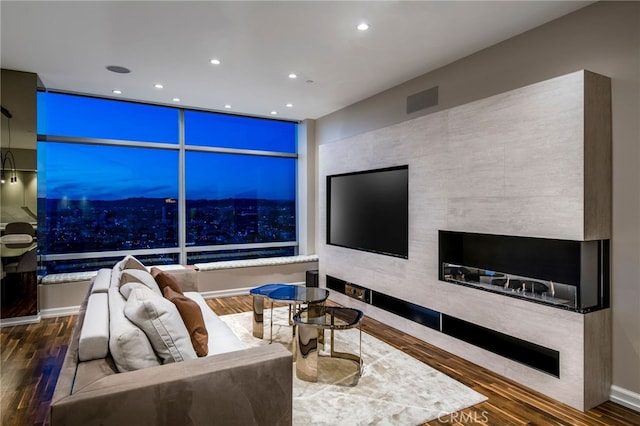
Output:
[[369, 211]]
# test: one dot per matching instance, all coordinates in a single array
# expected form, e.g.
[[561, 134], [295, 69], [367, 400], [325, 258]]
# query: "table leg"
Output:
[[307, 353], [317, 310], [292, 312], [258, 316], [271, 323], [345, 355]]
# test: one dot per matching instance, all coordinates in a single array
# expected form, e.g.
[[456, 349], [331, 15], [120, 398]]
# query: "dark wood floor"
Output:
[[32, 356], [19, 295]]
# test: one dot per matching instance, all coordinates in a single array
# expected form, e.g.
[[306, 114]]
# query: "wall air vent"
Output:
[[421, 100]]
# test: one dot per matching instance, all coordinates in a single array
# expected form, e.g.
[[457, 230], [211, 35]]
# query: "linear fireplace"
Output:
[[565, 274]]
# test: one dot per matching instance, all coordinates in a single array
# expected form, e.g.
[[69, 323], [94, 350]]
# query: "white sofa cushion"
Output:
[[94, 336], [221, 338], [162, 323], [101, 281], [128, 344], [138, 276]]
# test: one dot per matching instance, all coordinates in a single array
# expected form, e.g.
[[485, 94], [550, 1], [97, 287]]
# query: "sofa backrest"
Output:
[[101, 281], [94, 336]]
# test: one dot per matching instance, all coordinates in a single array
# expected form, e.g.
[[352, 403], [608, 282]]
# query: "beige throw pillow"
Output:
[[138, 276], [129, 262], [161, 322], [128, 344]]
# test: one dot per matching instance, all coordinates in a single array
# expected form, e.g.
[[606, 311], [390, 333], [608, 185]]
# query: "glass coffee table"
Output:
[[293, 295], [311, 324], [259, 294]]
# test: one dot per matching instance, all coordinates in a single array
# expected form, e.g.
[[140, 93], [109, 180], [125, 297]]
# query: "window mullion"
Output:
[[182, 204]]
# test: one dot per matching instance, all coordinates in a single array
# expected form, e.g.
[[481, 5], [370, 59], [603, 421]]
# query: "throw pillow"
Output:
[[138, 276], [161, 322], [130, 262], [192, 318], [125, 289], [128, 344], [164, 279]]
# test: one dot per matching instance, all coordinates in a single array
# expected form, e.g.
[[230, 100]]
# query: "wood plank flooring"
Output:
[[509, 403], [19, 295], [32, 355]]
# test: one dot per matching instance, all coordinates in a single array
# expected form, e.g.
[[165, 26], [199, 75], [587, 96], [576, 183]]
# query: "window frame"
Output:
[[183, 250]]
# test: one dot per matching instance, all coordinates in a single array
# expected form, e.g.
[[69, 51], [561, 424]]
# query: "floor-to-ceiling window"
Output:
[[165, 184]]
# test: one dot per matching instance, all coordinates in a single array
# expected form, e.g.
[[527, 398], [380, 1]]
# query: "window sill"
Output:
[[68, 277], [267, 261], [212, 266]]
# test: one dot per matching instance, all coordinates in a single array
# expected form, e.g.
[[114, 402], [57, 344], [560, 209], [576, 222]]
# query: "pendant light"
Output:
[[8, 160]]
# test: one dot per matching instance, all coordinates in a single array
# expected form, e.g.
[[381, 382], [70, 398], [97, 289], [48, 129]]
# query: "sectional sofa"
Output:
[[135, 357]]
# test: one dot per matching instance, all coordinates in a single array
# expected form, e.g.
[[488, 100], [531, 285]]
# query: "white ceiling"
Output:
[[69, 44]]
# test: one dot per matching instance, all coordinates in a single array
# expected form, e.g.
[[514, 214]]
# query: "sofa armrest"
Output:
[[66, 377], [187, 278], [248, 387]]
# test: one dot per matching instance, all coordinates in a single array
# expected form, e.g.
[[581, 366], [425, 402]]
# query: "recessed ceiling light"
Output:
[[117, 92], [309, 81], [118, 69], [227, 106], [215, 61], [176, 99], [363, 26], [289, 105], [158, 86], [274, 112], [292, 75]]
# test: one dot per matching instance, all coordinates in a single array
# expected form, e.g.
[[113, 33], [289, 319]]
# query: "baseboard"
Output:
[[625, 397], [60, 312], [31, 319], [234, 291]]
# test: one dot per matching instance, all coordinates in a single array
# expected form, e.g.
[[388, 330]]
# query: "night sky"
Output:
[[99, 172]]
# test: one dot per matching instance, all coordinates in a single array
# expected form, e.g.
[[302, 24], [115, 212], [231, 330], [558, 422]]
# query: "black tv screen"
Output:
[[369, 211]]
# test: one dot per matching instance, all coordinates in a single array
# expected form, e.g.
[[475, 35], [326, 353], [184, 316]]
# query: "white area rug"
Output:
[[394, 389]]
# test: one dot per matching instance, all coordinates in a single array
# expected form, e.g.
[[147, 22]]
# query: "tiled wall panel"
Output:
[[511, 164]]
